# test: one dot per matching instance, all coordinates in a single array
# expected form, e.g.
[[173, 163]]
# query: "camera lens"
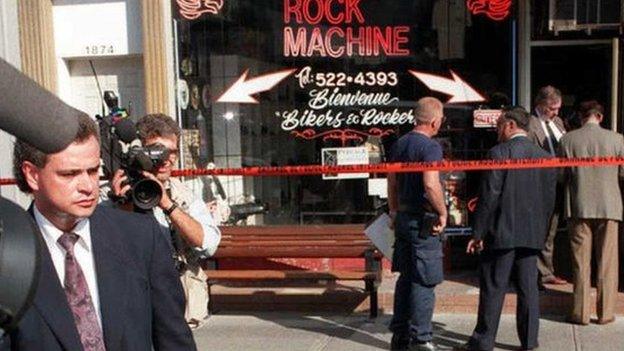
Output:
[[146, 194]]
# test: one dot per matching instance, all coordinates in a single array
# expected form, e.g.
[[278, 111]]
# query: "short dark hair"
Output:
[[157, 125], [547, 93], [23, 151], [589, 108], [517, 114]]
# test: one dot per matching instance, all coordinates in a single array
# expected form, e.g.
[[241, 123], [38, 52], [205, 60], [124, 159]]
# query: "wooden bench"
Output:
[[294, 241]]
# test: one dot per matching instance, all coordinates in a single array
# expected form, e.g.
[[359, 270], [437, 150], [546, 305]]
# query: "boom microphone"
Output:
[[33, 114]]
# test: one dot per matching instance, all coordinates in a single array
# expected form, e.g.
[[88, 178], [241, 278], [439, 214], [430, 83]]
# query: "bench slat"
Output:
[[247, 243], [292, 252], [282, 275], [336, 229], [294, 237]]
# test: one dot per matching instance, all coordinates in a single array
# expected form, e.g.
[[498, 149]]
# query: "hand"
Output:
[[165, 201], [438, 228], [120, 184], [475, 246]]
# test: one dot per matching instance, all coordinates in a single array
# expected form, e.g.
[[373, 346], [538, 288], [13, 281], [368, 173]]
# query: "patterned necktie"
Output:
[[552, 138], [79, 298]]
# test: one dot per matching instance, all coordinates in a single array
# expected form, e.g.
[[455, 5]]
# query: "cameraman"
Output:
[[184, 219]]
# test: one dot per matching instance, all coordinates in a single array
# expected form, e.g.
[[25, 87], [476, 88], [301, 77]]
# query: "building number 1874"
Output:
[[99, 49]]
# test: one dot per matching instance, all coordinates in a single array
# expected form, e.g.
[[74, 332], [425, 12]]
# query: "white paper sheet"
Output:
[[382, 236]]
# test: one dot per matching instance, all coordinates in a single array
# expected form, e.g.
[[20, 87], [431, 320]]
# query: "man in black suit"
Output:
[[107, 279], [511, 219]]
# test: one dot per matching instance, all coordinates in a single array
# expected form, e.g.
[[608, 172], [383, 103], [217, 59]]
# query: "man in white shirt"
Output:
[[184, 219], [106, 281], [546, 129]]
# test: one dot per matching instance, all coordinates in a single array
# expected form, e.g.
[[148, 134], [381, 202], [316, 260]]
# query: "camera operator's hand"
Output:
[[120, 184], [120, 187]]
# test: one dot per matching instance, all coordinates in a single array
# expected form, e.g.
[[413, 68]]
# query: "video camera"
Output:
[[122, 150]]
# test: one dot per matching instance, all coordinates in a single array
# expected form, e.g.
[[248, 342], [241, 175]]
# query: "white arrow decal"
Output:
[[458, 89], [242, 89]]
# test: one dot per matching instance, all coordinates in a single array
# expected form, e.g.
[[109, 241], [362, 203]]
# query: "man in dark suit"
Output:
[[107, 279], [546, 130], [511, 220]]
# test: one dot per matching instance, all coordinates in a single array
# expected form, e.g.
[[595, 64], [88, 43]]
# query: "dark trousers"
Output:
[[413, 309], [495, 274], [420, 263]]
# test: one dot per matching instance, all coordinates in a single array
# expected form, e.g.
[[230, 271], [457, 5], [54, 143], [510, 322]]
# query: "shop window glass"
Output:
[[358, 53]]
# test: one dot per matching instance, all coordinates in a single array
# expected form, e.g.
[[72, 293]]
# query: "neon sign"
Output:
[[193, 9], [334, 40], [497, 10]]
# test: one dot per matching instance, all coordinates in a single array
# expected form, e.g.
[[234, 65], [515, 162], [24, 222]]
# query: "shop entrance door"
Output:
[[582, 70]]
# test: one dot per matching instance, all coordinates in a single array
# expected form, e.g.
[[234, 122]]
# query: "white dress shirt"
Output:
[[558, 133], [83, 251]]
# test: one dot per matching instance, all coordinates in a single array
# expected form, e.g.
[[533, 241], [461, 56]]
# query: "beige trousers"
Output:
[[602, 235], [196, 293]]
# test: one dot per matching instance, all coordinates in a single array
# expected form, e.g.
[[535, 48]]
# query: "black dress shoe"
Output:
[[399, 342]]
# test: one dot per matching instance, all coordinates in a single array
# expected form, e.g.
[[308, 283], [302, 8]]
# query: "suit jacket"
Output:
[[141, 299], [514, 206], [537, 134], [592, 192]]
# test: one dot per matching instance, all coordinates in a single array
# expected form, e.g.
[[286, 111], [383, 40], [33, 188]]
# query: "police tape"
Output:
[[399, 167], [404, 167], [7, 181]]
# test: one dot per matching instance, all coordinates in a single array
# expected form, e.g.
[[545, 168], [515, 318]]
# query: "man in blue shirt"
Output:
[[415, 200]]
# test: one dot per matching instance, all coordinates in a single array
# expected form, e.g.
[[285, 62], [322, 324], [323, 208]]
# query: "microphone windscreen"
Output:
[[33, 114], [126, 131]]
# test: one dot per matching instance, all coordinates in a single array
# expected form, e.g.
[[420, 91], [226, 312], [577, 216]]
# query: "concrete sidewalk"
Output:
[[267, 331], [459, 293]]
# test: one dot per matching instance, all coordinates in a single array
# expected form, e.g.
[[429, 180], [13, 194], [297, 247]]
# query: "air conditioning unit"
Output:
[[575, 15]]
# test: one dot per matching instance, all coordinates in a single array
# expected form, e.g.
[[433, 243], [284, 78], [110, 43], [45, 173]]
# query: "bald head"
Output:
[[428, 109]]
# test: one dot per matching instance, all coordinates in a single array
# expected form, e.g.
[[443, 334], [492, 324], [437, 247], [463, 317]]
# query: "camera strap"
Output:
[[176, 240]]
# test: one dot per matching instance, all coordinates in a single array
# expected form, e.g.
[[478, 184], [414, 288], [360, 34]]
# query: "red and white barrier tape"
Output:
[[473, 165]]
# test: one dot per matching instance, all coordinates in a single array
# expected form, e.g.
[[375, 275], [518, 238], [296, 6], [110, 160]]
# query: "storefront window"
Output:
[[328, 81]]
